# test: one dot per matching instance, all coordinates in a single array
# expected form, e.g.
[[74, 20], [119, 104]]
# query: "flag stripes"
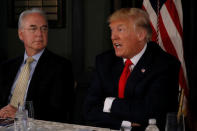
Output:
[[167, 26]]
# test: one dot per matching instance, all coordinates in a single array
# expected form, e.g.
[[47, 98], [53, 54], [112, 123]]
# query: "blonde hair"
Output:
[[139, 16]]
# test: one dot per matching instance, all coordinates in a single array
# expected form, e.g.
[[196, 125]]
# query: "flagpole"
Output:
[[181, 99], [158, 8]]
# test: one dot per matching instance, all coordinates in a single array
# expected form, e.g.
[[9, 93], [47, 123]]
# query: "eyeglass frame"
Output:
[[34, 28]]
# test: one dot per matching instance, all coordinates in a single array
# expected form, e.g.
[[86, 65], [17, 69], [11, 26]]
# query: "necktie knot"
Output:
[[128, 62], [29, 60]]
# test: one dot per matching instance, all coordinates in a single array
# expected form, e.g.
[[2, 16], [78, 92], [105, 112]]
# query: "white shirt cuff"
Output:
[[107, 104], [126, 125]]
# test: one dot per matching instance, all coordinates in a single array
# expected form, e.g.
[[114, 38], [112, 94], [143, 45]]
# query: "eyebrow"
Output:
[[118, 25], [36, 26], [32, 25], [121, 25]]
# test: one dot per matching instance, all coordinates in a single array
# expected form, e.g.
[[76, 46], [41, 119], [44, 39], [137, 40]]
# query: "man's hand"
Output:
[[8, 111]]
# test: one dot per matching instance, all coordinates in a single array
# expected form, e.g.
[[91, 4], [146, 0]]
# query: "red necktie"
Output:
[[123, 78]]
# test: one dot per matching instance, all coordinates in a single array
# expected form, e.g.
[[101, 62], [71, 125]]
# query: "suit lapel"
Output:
[[117, 69], [139, 72], [40, 68], [14, 69], [10, 75]]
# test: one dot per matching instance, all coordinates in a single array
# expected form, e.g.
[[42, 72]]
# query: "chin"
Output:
[[118, 54]]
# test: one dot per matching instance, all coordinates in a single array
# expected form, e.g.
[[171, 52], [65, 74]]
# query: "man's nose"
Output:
[[113, 36], [38, 32]]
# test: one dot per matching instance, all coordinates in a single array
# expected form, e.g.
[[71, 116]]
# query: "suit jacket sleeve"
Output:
[[93, 106]]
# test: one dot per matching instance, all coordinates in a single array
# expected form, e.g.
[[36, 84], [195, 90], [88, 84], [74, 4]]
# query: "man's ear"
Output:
[[142, 34], [20, 34]]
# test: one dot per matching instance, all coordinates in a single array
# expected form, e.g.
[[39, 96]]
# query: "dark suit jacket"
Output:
[[149, 94], [51, 87]]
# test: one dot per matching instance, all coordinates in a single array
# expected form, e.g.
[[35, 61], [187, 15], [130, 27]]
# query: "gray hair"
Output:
[[30, 11], [139, 16]]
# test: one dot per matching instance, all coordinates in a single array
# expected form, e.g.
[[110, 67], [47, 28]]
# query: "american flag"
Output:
[[166, 19]]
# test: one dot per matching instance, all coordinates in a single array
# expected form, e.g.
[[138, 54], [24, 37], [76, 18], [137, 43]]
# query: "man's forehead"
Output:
[[34, 21], [118, 23], [34, 16], [35, 25]]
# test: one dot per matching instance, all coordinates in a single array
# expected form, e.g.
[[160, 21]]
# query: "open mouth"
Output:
[[117, 45]]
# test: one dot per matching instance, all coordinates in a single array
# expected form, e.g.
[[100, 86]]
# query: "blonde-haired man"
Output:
[[150, 87]]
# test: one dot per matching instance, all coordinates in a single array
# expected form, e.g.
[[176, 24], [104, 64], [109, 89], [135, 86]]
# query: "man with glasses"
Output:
[[50, 83]]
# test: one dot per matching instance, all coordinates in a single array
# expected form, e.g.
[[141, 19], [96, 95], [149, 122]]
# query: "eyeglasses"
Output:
[[33, 29]]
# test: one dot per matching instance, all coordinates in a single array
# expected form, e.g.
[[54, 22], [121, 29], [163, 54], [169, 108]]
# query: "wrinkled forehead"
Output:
[[36, 19]]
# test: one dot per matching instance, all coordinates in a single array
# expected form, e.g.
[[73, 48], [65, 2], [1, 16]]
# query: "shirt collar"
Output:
[[36, 56], [136, 58]]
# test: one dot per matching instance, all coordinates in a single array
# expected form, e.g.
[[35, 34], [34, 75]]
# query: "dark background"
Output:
[[86, 34]]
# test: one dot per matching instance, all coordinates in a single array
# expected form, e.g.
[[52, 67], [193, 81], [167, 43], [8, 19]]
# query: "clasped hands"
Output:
[[8, 111]]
